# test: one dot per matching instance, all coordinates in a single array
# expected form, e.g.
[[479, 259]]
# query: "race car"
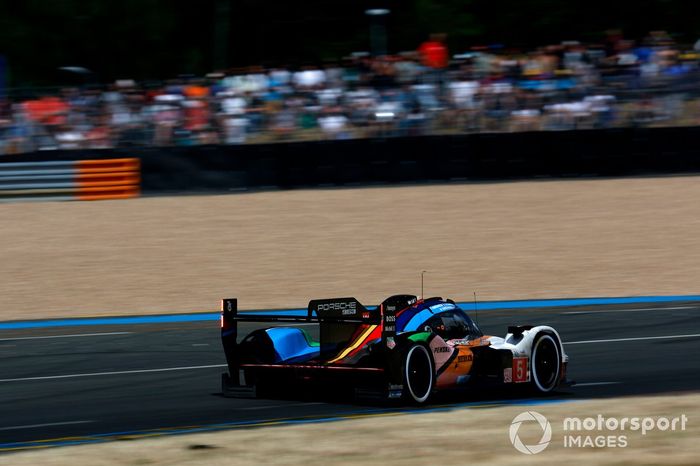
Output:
[[405, 348]]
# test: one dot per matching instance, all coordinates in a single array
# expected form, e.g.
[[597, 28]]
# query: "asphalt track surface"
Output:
[[88, 383]]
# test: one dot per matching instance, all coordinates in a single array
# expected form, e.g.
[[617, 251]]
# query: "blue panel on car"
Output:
[[291, 343]]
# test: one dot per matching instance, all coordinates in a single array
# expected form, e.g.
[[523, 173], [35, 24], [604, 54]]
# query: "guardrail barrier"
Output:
[[81, 180]]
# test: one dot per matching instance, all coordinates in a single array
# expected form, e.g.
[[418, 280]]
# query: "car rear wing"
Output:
[[319, 310]]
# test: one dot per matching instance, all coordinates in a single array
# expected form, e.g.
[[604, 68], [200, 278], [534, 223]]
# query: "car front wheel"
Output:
[[545, 363]]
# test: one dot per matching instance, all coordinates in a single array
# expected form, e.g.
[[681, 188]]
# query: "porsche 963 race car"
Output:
[[406, 348]]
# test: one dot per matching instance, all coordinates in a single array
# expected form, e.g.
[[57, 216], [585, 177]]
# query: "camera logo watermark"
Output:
[[591, 432], [528, 417]]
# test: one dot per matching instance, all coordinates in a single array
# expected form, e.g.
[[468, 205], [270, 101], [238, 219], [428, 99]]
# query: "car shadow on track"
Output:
[[478, 397]]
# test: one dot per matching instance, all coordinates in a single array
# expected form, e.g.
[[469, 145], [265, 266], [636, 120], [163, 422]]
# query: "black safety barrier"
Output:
[[360, 162]]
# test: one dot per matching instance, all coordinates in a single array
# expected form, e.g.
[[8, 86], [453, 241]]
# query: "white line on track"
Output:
[[595, 384], [51, 424], [678, 308], [76, 335], [210, 366], [97, 374], [615, 340]]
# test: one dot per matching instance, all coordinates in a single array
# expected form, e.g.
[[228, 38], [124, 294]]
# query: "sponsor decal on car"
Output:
[[441, 351], [442, 307], [346, 308], [508, 375], [458, 342]]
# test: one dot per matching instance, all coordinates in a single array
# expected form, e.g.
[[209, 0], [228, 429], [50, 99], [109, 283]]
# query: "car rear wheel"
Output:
[[545, 363], [419, 374]]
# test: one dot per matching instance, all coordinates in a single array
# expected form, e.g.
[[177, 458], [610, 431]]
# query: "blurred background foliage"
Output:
[[156, 39]]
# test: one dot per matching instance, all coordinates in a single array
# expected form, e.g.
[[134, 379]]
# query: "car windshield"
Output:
[[453, 325], [463, 319]]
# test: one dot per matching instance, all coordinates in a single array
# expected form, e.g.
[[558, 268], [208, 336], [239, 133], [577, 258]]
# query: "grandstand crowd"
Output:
[[570, 85]]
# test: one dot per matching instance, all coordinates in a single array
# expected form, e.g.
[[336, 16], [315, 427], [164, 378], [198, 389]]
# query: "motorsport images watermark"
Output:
[[589, 432]]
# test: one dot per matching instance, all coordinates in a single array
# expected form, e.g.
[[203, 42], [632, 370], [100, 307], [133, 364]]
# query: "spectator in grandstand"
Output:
[[434, 52], [435, 58]]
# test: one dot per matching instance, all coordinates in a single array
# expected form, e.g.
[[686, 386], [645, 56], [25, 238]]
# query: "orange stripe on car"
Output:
[[355, 344]]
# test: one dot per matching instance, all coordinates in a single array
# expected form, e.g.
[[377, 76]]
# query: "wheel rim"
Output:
[[419, 375], [545, 363]]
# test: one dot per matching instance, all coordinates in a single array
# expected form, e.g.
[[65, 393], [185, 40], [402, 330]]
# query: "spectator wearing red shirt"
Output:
[[435, 57], [434, 52]]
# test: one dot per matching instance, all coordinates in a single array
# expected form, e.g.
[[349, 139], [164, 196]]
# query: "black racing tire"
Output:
[[418, 374], [545, 363]]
